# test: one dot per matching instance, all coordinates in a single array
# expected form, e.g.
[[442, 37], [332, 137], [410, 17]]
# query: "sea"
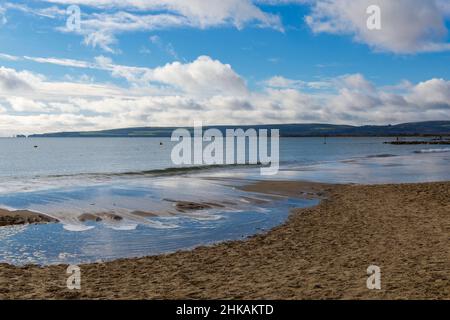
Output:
[[135, 179]]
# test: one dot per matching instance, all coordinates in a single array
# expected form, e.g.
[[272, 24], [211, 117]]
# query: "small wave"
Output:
[[383, 155], [159, 225], [433, 150], [157, 172], [127, 227], [77, 227], [65, 255]]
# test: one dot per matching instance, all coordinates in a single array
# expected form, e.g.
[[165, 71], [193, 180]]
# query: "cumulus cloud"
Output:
[[10, 80], [204, 76], [408, 26], [427, 100], [431, 94], [357, 82]]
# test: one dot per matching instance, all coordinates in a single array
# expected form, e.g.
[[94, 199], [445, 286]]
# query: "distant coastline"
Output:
[[415, 129]]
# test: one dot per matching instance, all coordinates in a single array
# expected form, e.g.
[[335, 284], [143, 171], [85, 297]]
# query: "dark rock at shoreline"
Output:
[[444, 142], [21, 217], [191, 206]]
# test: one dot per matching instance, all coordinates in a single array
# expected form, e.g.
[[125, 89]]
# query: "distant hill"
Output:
[[430, 128]]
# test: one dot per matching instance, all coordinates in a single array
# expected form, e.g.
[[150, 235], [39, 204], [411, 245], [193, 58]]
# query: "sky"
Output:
[[90, 65]]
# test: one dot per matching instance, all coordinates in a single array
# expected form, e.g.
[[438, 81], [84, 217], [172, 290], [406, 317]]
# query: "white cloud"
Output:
[[204, 76], [357, 82], [59, 61], [102, 39], [424, 101], [49, 12], [8, 57], [434, 93], [200, 13], [408, 26], [21, 104], [12, 81], [100, 28]]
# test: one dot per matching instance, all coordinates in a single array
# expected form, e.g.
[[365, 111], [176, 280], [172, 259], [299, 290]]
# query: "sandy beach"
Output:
[[320, 253]]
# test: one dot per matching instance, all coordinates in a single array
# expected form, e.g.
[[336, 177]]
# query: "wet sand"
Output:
[[297, 189], [319, 253]]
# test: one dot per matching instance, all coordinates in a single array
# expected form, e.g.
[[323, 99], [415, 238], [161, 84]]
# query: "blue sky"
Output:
[[171, 62]]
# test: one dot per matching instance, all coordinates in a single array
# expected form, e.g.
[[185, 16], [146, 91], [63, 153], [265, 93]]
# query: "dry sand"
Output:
[[320, 253]]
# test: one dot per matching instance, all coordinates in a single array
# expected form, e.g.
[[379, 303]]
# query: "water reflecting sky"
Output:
[[68, 177]]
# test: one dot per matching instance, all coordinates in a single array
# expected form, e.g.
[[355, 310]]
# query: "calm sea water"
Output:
[[65, 177], [58, 156]]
